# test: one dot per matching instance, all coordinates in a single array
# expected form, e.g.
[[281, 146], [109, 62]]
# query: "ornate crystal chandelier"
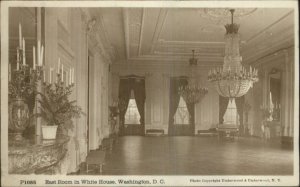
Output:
[[232, 80], [192, 93]]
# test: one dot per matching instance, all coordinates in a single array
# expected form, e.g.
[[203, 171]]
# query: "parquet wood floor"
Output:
[[192, 155]]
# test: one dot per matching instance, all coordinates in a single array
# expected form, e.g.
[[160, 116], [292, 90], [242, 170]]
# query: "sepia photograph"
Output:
[[162, 93]]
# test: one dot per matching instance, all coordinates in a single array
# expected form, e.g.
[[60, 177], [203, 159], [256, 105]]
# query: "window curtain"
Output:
[[175, 83], [191, 109], [223, 103], [124, 96], [140, 97], [275, 90], [240, 102], [137, 84]]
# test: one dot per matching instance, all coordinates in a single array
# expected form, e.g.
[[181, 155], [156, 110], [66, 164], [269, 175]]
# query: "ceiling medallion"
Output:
[[225, 12], [221, 15], [232, 80]]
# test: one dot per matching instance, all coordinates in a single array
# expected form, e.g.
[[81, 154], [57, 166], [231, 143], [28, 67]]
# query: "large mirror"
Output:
[[22, 38], [275, 92]]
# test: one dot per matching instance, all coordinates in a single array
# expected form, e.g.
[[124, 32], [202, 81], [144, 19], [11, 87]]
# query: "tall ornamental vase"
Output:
[[18, 117]]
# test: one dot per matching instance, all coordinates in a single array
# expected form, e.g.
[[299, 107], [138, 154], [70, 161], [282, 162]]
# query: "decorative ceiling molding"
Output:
[[126, 68], [184, 43], [147, 40], [187, 53], [174, 60], [220, 13], [263, 31], [254, 55], [85, 15], [126, 31], [273, 56], [182, 47], [141, 32], [135, 17], [221, 16], [106, 41], [158, 27], [267, 45], [93, 30]]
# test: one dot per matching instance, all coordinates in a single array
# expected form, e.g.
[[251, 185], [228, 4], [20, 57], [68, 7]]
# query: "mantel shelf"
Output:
[[35, 155]]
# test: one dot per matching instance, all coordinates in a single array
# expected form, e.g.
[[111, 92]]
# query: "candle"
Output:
[[70, 76], [50, 75], [58, 66], [33, 57], [20, 36], [24, 58], [42, 55], [73, 72], [62, 72], [44, 74], [18, 66], [39, 52], [271, 103], [18, 56], [19, 113], [9, 72]]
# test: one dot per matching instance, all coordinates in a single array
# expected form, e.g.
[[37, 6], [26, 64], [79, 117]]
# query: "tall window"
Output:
[[132, 115], [231, 115], [182, 113]]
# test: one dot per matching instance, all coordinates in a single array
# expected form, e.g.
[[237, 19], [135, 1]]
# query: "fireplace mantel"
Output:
[[36, 156]]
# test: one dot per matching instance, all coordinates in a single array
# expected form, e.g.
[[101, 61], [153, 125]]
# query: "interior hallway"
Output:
[[192, 155]]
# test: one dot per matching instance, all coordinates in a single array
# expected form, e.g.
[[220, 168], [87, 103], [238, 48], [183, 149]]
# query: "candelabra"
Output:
[[38, 73], [122, 105], [267, 112]]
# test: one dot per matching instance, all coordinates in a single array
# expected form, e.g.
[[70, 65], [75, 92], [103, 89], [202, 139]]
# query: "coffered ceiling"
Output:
[[169, 34]]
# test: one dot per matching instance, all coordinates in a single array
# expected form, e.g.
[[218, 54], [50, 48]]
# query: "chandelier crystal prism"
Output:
[[232, 80], [192, 93]]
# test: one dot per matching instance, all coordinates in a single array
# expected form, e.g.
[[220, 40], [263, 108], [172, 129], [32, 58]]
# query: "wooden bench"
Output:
[[95, 157], [209, 132], [155, 132], [227, 131]]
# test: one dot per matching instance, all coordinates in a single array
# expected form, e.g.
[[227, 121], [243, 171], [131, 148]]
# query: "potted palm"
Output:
[[56, 109]]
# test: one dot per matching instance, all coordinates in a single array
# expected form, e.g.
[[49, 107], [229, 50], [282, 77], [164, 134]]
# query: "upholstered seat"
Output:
[[155, 132], [227, 130]]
